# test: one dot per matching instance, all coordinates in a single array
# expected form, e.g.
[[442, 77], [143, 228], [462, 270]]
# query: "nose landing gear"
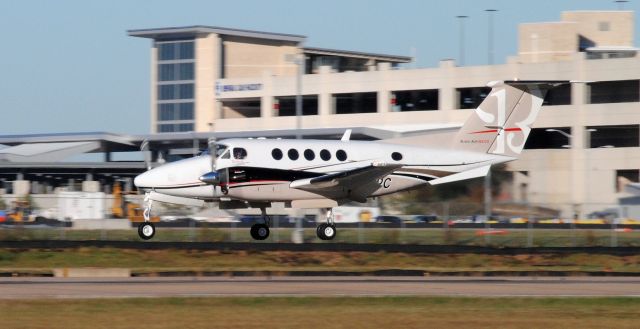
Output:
[[147, 230], [327, 231]]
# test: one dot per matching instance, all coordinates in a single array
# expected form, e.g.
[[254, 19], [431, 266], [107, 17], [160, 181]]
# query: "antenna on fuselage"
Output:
[[347, 136]]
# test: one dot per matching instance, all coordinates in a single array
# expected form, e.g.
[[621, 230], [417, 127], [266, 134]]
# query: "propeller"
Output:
[[212, 177]]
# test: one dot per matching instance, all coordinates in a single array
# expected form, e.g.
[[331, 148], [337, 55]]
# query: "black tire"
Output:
[[320, 231], [259, 231], [144, 228]]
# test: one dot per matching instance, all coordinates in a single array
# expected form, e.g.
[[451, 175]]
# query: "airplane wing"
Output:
[[354, 184]]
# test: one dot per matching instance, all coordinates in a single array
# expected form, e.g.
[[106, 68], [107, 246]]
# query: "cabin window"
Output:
[[309, 155], [276, 154], [239, 153], [325, 155], [396, 156], [293, 154], [341, 155]]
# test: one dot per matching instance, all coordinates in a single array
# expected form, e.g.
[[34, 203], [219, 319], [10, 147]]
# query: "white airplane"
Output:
[[243, 173]]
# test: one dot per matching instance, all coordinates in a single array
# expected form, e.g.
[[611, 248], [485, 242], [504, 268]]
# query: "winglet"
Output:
[[346, 136]]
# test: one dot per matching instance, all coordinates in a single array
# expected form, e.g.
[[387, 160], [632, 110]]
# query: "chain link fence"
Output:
[[91, 216]]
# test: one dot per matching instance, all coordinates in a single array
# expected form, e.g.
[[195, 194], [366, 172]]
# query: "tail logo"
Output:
[[507, 138]]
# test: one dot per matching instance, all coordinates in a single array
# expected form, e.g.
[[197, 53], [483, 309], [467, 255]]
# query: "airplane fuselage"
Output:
[[263, 169]]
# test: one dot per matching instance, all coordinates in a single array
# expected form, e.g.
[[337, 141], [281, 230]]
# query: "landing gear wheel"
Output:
[[319, 231], [259, 231], [326, 231], [329, 232], [146, 231]]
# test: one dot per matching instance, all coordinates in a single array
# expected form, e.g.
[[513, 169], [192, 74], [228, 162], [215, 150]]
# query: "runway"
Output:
[[37, 288]]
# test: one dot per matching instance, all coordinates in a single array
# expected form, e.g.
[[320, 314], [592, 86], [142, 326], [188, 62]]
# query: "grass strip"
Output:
[[311, 312]]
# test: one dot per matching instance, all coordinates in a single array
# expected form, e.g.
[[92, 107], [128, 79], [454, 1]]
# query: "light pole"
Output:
[[300, 63], [298, 60], [587, 163], [461, 55], [490, 13]]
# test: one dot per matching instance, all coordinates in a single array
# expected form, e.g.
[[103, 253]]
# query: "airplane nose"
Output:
[[142, 180]]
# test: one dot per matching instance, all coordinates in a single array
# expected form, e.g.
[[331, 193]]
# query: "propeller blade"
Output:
[[144, 147], [212, 152]]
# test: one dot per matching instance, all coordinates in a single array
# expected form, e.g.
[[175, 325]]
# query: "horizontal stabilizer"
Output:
[[473, 173]]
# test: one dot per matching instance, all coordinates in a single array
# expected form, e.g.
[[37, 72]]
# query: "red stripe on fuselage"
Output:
[[495, 131]]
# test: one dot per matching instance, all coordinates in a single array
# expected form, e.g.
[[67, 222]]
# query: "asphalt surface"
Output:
[[37, 288]]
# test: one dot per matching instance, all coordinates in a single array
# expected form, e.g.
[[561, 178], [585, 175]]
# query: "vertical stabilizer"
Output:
[[501, 124]]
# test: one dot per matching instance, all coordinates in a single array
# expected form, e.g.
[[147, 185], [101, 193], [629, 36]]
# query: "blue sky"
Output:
[[68, 66]]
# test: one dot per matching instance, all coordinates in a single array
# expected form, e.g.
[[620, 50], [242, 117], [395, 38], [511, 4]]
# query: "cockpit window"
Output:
[[226, 155], [220, 148], [239, 153]]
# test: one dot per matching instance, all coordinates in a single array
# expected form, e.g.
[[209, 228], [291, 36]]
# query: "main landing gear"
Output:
[[147, 230], [327, 231], [260, 231]]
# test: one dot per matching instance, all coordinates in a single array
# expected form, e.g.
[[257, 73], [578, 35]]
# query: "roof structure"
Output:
[[357, 54], [169, 33], [195, 30], [46, 152]]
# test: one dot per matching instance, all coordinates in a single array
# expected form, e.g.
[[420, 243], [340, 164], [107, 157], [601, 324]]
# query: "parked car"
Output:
[[388, 219], [425, 218]]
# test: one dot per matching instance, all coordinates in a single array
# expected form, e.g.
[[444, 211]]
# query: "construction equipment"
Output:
[[20, 211], [123, 208]]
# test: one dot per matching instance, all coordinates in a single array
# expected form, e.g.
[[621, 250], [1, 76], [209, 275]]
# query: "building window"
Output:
[[175, 111], [185, 50], [624, 176], [175, 72], [167, 51], [185, 127], [293, 154], [415, 100], [179, 50], [276, 154], [245, 108], [166, 112], [286, 105], [175, 127], [175, 91], [621, 91], [185, 111], [325, 155], [613, 136], [470, 98], [560, 95], [548, 138], [341, 155], [355, 103], [165, 128], [309, 155]]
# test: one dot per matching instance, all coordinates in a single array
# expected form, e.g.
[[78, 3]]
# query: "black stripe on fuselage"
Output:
[[424, 178], [248, 174]]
